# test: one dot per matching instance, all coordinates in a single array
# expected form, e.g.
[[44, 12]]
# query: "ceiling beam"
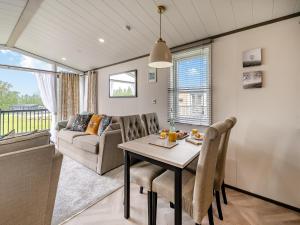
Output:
[[28, 12]]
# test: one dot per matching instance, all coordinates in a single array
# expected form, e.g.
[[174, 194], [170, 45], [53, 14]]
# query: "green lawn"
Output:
[[23, 123]]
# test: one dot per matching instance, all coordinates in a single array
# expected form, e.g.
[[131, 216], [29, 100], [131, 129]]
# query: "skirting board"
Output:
[[264, 198]]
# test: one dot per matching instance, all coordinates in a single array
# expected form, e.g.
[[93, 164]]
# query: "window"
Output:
[[65, 70], [14, 58], [190, 87], [21, 107]]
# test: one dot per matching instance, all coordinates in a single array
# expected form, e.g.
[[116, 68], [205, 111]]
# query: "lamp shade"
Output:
[[160, 56]]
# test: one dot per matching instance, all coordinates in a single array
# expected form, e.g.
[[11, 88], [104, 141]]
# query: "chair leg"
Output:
[[210, 216], [171, 205], [150, 217], [154, 207], [219, 205], [141, 189], [224, 193]]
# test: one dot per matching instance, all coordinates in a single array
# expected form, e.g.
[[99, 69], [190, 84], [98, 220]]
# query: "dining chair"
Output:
[[221, 162], [197, 189], [141, 173], [151, 123]]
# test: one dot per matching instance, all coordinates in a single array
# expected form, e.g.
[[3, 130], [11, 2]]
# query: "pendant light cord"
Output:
[[160, 24]]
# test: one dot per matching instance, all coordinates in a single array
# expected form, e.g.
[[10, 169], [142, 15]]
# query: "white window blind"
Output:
[[190, 87]]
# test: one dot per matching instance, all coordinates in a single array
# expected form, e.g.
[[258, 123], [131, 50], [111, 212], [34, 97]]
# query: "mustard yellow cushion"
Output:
[[93, 124]]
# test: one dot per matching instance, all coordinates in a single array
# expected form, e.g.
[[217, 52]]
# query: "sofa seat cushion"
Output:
[[68, 135], [89, 143]]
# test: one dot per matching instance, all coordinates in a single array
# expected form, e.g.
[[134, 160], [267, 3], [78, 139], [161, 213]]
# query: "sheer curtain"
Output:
[[47, 87], [68, 95], [91, 92]]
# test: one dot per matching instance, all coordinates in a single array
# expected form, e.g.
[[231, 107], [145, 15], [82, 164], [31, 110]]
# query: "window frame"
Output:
[[173, 88], [54, 64]]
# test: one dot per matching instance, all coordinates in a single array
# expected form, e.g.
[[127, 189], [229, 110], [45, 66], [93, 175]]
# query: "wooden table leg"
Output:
[[126, 184], [178, 197]]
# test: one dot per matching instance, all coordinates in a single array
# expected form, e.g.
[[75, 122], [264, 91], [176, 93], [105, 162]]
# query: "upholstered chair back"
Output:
[[131, 127], [205, 172], [28, 184], [151, 123], [222, 152]]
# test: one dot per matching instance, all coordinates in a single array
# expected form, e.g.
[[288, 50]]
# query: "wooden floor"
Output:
[[242, 209]]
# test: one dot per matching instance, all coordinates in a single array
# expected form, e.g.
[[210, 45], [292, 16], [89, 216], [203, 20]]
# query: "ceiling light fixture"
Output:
[[160, 56], [101, 40], [63, 59]]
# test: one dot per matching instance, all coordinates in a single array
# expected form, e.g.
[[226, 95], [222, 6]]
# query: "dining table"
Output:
[[151, 149]]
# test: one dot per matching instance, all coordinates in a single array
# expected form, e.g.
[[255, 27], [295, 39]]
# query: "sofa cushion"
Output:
[[115, 119], [70, 122], [113, 126], [89, 143], [93, 124], [81, 122], [106, 120], [68, 135]]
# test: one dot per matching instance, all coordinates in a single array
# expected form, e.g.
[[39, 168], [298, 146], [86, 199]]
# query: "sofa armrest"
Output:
[[61, 124], [110, 156]]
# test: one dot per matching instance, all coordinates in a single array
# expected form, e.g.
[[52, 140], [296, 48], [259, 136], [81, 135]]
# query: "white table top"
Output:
[[179, 156]]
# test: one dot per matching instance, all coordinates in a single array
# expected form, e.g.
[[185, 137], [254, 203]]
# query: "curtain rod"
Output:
[[11, 67], [191, 45]]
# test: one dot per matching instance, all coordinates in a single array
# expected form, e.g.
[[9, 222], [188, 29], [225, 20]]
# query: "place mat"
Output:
[[163, 143], [194, 141]]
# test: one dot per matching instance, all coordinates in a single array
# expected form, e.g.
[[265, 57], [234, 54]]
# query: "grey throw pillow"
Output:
[[105, 121], [115, 126], [81, 122], [70, 122]]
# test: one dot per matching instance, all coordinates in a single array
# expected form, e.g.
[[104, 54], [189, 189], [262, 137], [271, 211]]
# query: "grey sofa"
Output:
[[29, 173], [98, 153]]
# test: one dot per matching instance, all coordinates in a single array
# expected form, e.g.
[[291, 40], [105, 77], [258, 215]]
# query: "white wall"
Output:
[[264, 151], [264, 157], [146, 91]]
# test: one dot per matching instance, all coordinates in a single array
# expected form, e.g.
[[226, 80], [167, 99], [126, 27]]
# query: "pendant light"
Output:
[[160, 56]]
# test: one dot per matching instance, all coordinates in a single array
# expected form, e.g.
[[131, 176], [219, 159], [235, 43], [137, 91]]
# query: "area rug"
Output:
[[80, 187]]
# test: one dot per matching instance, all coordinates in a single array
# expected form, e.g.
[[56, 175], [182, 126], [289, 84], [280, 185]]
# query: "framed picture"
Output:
[[123, 85], [152, 75], [252, 57], [252, 79]]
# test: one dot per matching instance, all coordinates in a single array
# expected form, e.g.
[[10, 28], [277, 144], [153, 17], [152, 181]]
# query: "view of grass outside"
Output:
[[22, 112], [24, 121]]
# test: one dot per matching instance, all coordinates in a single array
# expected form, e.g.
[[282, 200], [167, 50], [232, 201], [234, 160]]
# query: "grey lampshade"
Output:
[[160, 56]]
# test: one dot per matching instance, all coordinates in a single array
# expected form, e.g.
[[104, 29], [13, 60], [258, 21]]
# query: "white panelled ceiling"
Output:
[[71, 28], [10, 11]]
